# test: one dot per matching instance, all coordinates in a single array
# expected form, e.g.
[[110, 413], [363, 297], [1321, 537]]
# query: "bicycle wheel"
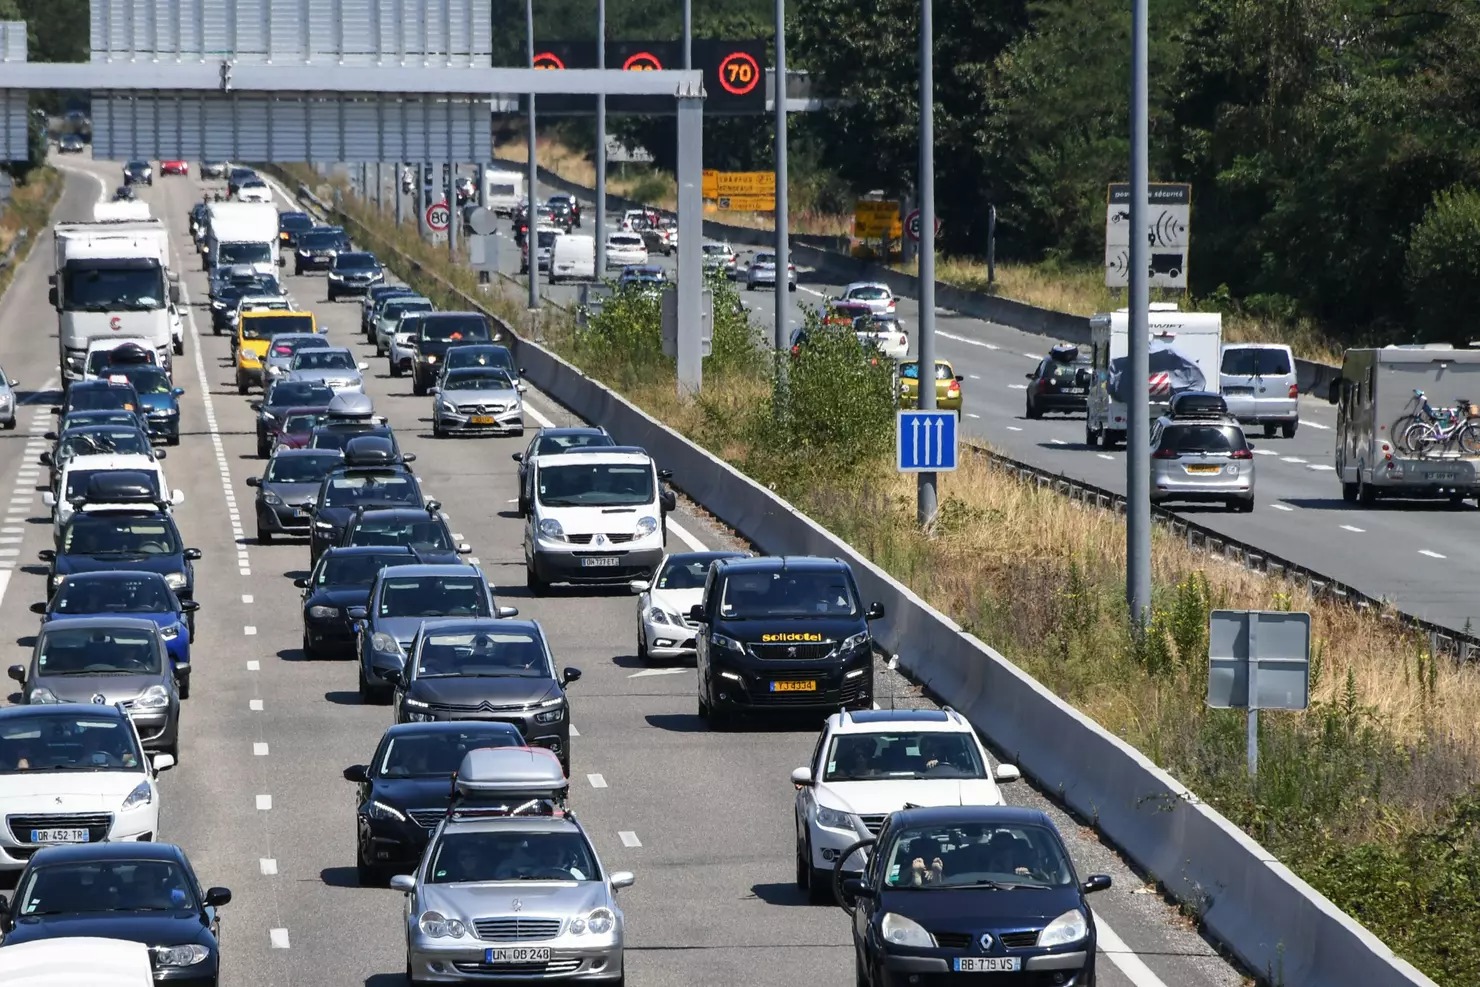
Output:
[[1417, 438], [1399, 431], [1469, 439]]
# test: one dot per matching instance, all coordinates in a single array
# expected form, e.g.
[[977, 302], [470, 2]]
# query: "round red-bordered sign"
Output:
[[643, 61], [438, 217], [548, 60], [739, 73]]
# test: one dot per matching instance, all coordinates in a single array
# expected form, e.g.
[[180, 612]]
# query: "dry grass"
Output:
[[29, 210]]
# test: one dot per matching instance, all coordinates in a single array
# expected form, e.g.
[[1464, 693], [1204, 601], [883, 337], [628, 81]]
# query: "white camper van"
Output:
[[573, 258], [1185, 351], [503, 191]]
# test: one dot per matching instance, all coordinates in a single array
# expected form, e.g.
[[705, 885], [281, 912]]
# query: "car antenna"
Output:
[[892, 666]]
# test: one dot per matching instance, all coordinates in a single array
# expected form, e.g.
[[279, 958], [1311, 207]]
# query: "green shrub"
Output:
[[1443, 267]]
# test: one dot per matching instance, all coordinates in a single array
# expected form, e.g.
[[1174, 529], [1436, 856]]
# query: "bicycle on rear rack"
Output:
[[1436, 430]]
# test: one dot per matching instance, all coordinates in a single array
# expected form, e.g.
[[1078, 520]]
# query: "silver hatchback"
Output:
[[1202, 460]]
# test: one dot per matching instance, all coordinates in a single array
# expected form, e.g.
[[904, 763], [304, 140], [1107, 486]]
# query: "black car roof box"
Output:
[[1198, 404], [369, 450], [120, 487], [1065, 352]]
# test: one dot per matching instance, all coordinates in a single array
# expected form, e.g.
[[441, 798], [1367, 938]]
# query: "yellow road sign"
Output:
[[873, 219], [747, 203], [745, 183], [709, 187]]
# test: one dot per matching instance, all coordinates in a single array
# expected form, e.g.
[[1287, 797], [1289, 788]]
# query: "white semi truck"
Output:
[[1186, 350], [112, 278], [243, 233]]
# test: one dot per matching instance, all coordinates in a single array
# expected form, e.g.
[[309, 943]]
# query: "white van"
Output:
[[596, 516], [1259, 384], [81, 961], [573, 258]]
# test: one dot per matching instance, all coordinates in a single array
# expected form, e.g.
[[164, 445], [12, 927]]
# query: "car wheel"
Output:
[[180, 348], [263, 535], [417, 387], [263, 449], [173, 440], [10, 425], [368, 876], [395, 368], [183, 683], [1288, 429], [307, 648], [368, 694], [1269, 431], [532, 581], [791, 287], [860, 972], [819, 882], [241, 387], [1031, 411], [438, 432], [642, 648], [803, 865]]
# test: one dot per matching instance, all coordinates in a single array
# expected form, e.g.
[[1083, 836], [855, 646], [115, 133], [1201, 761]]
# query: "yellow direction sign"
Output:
[[745, 183], [874, 220], [709, 187], [747, 203]]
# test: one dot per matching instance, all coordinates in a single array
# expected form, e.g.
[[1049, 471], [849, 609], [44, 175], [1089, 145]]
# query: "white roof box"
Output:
[[351, 404], [505, 773]]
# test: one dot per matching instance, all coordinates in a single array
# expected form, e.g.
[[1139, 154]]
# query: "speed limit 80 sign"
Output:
[[438, 217]]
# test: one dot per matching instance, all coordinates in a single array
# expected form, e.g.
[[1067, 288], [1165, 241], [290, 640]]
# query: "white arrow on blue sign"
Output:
[[926, 441]]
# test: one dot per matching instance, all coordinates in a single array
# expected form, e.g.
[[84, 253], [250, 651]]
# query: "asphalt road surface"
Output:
[[704, 820]]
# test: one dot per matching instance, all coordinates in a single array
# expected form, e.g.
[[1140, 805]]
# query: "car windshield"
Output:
[[911, 371], [479, 356], [596, 485], [103, 416], [1256, 362], [903, 754], [119, 536], [433, 596], [343, 571], [299, 393], [554, 445], [714, 248], [686, 572], [338, 435], [122, 441], [486, 857], [113, 594], [1203, 438], [67, 743], [295, 222], [318, 240], [101, 398], [627, 240], [300, 425], [387, 488], [491, 654], [146, 379], [78, 481], [869, 293], [440, 753], [125, 289], [245, 253], [96, 651], [288, 347], [426, 533], [111, 885], [765, 259], [301, 469], [393, 310], [276, 325], [323, 360], [486, 380], [787, 593], [441, 330], [977, 854], [355, 262]]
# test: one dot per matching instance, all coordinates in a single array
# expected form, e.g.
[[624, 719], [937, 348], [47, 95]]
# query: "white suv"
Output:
[[870, 763]]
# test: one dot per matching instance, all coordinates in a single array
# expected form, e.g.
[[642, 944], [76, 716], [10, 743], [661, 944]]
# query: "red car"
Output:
[[175, 168], [294, 427]]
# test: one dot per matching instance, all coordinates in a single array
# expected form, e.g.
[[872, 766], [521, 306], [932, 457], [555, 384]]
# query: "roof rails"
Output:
[[497, 782]]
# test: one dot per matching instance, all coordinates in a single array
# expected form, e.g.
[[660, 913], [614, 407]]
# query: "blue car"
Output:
[[159, 399], [137, 593]]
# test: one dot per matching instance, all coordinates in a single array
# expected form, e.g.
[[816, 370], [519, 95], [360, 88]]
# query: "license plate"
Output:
[[793, 686], [1203, 469], [482, 420], [987, 964], [1238, 390], [1442, 476], [594, 563], [58, 836], [1073, 390], [517, 954]]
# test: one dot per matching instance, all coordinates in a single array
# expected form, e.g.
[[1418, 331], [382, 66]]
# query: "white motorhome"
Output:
[[1400, 427], [76, 961], [243, 233], [503, 191], [1185, 351], [112, 278]]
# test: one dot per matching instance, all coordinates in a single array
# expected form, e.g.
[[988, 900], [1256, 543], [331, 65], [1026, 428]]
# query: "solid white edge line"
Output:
[[1119, 954]]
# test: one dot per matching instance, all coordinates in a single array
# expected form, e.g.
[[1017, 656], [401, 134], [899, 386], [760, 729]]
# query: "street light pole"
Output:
[[688, 34], [1138, 428], [531, 238], [783, 215], [600, 218], [926, 491]]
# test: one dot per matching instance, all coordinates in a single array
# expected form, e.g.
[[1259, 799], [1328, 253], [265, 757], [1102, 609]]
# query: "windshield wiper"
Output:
[[119, 553], [1002, 886]]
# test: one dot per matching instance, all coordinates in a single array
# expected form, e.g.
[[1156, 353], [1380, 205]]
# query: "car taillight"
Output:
[[1164, 454], [796, 351], [1294, 390], [953, 387], [891, 305], [1042, 384], [1242, 454]]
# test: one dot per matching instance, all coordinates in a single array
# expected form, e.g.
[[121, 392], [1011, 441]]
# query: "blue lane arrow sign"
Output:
[[926, 441]]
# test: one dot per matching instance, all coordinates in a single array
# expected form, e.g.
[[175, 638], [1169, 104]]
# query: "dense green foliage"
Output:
[[1443, 259]]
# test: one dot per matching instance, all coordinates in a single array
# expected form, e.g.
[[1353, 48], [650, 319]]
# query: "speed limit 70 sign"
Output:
[[438, 217]]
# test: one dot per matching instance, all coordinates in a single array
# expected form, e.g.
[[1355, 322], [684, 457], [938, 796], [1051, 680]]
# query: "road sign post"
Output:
[[1258, 659], [926, 441]]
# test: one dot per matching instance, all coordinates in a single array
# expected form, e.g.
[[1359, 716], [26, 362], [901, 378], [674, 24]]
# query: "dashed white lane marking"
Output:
[[1033, 356], [247, 598], [1058, 442], [1013, 428], [968, 341], [1106, 455], [1292, 459], [1322, 467], [255, 705], [1323, 428], [970, 414], [1265, 452], [974, 376], [278, 938], [1353, 528], [254, 665], [1432, 555], [264, 802], [649, 672], [1127, 962], [249, 630], [1282, 507], [268, 865], [1018, 387], [629, 838], [574, 732], [259, 750], [596, 781]]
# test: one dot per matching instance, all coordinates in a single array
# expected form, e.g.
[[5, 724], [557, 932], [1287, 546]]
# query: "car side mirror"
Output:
[[875, 611], [639, 585], [1095, 882], [50, 436], [216, 897], [668, 500], [357, 773], [518, 457], [463, 548], [505, 613], [177, 497], [256, 406], [47, 555], [522, 388], [623, 879], [1252, 447], [409, 457], [521, 371], [801, 777], [38, 608], [405, 883], [51, 296], [48, 499], [177, 391], [362, 366], [14, 382], [45, 458], [434, 391], [162, 761], [192, 554], [433, 506], [254, 481], [158, 453], [665, 474], [1005, 773], [1028, 376], [959, 378], [56, 410], [189, 606], [301, 583], [696, 612], [1333, 393], [855, 887], [18, 672], [571, 674], [357, 613], [394, 677]]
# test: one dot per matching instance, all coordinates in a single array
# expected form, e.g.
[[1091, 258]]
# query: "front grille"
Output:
[[426, 818], [481, 409], [481, 707], [520, 969], [1019, 940], [97, 824], [515, 929], [611, 539], [952, 940], [852, 691], [792, 652], [873, 823]]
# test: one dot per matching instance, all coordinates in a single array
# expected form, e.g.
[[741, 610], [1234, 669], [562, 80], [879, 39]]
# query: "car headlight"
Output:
[[599, 922], [381, 641], [554, 715], [174, 956], [154, 697], [56, 581], [550, 528], [388, 813], [900, 931], [449, 408], [176, 580], [167, 412], [335, 277], [646, 526], [1069, 927], [324, 525], [856, 641], [42, 696], [834, 819], [272, 499], [657, 616], [142, 794], [169, 633], [438, 926], [411, 703], [323, 613], [721, 641], [431, 358]]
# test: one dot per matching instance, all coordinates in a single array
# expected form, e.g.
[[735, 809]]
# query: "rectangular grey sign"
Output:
[[1274, 644]]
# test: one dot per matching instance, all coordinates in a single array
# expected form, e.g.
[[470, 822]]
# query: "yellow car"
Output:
[[947, 385], [254, 330]]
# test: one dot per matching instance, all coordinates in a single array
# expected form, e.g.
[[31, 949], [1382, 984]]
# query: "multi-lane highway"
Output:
[[258, 800]]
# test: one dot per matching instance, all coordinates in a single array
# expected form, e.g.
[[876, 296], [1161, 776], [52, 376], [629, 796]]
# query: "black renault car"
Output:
[[490, 668], [124, 539], [342, 579], [783, 633], [436, 333], [404, 791], [136, 891], [971, 894], [344, 491]]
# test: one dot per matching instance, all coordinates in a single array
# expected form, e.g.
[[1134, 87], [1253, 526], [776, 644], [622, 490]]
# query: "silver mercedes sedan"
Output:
[[478, 399]]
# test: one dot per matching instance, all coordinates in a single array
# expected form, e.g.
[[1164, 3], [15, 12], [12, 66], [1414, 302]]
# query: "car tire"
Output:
[[532, 581], [173, 440], [819, 882], [183, 684], [263, 449], [438, 432], [417, 387], [241, 387], [306, 646], [264, 537], [412, 981], [1288, 429], [1031, 411], [332, 297], [860, 972], [180, 348], [395, 368], [791, 287], [10, 425], [366, 875], [642, 648]]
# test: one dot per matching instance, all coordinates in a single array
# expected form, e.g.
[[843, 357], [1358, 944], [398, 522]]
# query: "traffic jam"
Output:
[[464, 803]]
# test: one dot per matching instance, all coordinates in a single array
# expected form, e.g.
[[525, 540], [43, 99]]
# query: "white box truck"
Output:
[[503, 191], [244, 233], [1186, 348], [1406, 423], [112, 279]]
